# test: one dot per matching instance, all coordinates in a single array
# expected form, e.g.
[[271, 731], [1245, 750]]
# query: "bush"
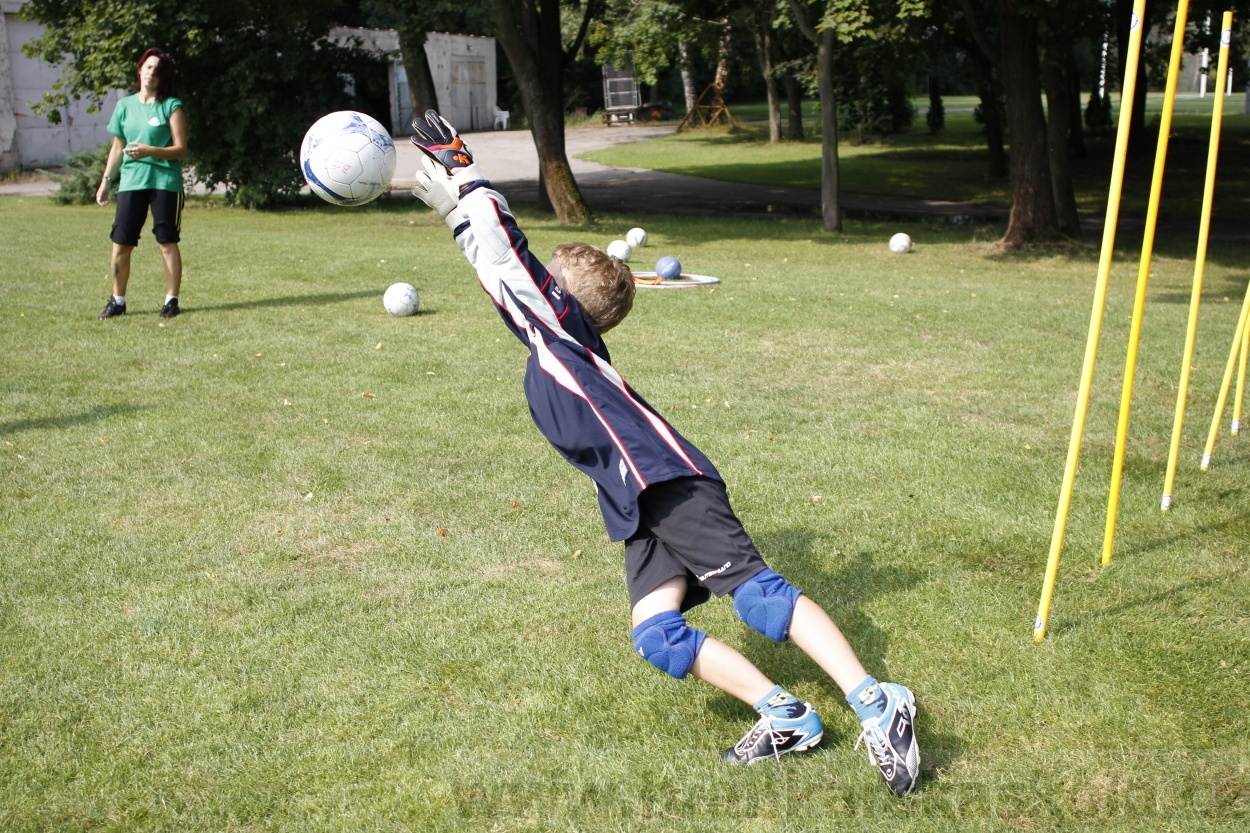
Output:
[[81, 177]]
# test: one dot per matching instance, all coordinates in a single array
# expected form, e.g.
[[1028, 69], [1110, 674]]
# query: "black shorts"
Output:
[[132, 212], [688, 529]]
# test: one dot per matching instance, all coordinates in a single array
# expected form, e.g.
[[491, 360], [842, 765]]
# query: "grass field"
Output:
[[953, 165], [287, 563]]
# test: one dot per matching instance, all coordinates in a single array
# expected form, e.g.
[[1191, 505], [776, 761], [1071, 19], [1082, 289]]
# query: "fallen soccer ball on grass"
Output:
[[900, 244], [636, 237], [401, 299], [347, 158], [668, 268], [620, 249]]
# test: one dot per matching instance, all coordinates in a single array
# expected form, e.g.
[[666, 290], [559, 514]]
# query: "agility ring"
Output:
[[650, 280]]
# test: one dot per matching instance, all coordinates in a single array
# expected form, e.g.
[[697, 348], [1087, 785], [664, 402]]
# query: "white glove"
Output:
[[436, 189]]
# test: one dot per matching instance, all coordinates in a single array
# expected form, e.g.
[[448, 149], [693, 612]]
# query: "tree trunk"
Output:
[[535, 51], [417, 67], [987, 90], [687, 77], [829, 133], [1076, 134], [794, 108], [1058, 127], [1032, 200], [763, 20]]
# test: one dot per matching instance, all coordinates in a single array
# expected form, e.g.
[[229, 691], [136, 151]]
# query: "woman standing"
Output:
[[149, 133]]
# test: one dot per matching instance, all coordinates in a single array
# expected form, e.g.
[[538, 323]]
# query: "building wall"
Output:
[[27, 140], [463, 67]]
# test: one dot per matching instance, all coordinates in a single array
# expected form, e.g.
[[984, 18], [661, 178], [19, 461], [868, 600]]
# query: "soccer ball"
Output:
[[401, 299], [636, 238], [620, 249], [347, 158], [668, 268], [900, 244]]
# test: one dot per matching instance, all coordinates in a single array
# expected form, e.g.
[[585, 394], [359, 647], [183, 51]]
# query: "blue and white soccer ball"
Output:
[[401, 299], [347, 158]]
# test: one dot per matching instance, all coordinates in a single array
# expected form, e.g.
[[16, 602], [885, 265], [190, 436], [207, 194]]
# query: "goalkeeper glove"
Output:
[[439, 140], [435, 188]]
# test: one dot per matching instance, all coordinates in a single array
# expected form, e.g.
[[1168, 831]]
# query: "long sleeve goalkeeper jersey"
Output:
[[577, 399]]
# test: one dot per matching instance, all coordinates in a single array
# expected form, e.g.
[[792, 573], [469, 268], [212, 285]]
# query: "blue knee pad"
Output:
[[766, 602], [668, 643]]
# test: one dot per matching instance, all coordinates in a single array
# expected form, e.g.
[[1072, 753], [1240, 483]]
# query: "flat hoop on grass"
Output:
[[650, 280]]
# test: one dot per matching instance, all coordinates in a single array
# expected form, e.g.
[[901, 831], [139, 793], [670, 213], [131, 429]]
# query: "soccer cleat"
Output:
[[773, 736], [170, 309], [438, 139], [112, 309], [891, 739]]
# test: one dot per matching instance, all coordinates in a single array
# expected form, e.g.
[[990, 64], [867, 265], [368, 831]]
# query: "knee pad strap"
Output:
[[668, 643], [766, 602]]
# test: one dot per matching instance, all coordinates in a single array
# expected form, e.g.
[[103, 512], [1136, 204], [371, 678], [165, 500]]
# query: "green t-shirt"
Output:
[[134, 121]]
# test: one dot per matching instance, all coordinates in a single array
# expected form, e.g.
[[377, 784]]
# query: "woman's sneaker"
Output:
[[891, 739], [170, 309], [112, 309], [773, 736]]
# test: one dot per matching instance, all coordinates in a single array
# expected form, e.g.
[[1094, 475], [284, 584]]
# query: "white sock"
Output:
[[169, 298], [121, 299]]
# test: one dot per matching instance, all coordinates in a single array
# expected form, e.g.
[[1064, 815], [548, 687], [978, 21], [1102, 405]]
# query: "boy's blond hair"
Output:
[[602, 284]]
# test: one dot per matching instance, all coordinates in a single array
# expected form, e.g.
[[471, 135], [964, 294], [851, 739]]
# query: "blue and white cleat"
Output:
[[773, 736], [891, 739]]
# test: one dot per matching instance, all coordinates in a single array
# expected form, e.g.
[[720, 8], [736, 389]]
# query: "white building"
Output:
[[27, 140], [463, 68]]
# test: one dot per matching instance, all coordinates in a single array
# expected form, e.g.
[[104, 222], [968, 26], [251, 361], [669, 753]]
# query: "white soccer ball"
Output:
[[620, 249], [636, 238], [347, 158], [900, 244], [401, 299]]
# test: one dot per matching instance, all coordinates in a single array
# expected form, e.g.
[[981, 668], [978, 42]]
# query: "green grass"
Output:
[[239, 594], [953, 164]]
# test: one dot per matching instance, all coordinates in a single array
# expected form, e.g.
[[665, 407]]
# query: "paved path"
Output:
[[510, 161]]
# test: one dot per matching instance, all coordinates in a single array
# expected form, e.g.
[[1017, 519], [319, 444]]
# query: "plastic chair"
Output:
[[501, 118]]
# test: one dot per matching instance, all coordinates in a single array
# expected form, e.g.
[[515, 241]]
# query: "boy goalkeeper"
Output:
[[658, 493]]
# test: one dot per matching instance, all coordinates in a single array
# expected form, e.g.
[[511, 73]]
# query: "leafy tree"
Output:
[[252, 76], [830, 24]]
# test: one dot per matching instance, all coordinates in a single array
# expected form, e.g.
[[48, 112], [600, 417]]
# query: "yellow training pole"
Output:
[[1200, 268], [1238, 338], [1143, 278], [1241, 382], [1095, 319]]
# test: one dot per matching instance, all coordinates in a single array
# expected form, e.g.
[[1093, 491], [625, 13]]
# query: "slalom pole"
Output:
[[1143, 278], [1238, 338], [1095, 319], [1241, 382], [1200, 268]]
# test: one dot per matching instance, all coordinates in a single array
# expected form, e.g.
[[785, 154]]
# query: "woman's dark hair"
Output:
[[164, 71]]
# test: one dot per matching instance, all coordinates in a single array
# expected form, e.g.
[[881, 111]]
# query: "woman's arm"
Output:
[[178, 138], [111, 168]]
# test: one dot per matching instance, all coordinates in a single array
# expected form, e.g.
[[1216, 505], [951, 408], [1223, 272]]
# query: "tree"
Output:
[[530, 33], [829, 23], [413, 20], [252, 77]]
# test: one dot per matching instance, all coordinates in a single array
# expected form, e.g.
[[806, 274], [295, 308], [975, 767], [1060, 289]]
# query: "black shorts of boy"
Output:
[[132, 212], [687, 528]]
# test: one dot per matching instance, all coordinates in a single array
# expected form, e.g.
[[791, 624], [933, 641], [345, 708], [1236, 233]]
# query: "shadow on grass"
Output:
[[805, 558], [320, 299], [93, 415]]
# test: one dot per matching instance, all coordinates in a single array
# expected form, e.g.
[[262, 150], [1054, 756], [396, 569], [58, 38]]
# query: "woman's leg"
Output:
[[120, 268], [173, 267]]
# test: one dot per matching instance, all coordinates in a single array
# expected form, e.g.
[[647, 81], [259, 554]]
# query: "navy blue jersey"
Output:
[[577, 399]]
